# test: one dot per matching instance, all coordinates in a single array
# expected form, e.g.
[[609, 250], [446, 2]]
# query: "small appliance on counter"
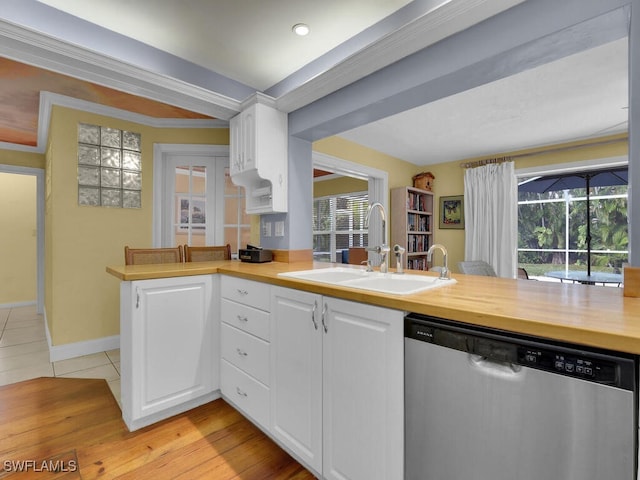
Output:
[[253, 254]]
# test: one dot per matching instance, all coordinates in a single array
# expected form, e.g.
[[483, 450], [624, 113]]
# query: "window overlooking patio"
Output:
[[553, 233]]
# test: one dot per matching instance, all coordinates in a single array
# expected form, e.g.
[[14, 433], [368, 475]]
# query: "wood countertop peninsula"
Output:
[[587, 315]]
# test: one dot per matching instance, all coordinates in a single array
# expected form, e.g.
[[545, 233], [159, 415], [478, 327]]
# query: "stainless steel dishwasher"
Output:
[[488, 405]]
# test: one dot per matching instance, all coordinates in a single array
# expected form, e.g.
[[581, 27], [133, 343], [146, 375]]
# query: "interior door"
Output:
[[193, 200]]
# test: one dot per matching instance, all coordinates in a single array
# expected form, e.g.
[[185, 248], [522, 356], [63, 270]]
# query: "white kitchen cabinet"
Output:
[[245, 347], [296, 366], [168, 347], [337, 385], [258, 154]]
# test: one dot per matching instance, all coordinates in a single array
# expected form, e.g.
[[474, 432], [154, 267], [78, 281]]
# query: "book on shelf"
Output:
[[417, 201], [417, 263], [417, 243], [418, 223]]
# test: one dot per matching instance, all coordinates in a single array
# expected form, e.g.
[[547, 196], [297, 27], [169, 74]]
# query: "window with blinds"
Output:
[[338, 224]]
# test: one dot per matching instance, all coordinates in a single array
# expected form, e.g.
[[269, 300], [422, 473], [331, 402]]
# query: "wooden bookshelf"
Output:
[[412, 225]]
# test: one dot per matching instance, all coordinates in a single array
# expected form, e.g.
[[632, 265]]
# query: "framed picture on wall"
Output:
[[452, 212]]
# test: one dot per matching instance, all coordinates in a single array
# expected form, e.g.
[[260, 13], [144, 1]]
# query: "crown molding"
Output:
[[48, 100], [445, 20], [40, 50]]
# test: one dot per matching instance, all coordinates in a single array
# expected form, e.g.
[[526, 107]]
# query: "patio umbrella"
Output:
[[566, 181]]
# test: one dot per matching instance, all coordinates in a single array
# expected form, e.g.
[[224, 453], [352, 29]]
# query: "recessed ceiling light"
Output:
[[301, 29]]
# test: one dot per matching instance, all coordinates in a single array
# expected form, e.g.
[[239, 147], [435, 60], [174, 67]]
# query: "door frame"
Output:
[[161, 153], [378, 182], [39, 174]]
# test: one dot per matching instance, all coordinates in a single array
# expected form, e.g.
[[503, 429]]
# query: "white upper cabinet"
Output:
[[258, 155]]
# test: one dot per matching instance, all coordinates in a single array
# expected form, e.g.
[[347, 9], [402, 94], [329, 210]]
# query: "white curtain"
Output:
[[491, 215]]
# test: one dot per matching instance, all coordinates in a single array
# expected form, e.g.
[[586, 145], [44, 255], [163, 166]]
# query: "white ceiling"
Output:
[[247, 40], [581, 96]]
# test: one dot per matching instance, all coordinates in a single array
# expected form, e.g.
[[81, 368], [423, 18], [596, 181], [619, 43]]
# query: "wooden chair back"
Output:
[[522, 274], [207, 254], [146, 256]]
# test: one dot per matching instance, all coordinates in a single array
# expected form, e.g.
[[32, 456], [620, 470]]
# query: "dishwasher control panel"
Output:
[[579, 366]]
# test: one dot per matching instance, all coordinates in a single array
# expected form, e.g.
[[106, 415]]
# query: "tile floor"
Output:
[[24, 353]]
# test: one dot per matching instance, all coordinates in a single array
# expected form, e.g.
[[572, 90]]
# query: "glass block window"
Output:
[[109, 167]]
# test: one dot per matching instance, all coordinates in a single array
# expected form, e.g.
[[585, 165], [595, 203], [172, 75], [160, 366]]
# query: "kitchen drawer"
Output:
[[246, 352], [248, 319], [247, 292], [245, 393]]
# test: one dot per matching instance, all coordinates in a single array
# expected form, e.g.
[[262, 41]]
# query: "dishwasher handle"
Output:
[[495, 368]]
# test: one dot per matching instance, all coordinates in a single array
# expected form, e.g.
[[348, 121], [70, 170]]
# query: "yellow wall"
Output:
[[81, 299], [335, 186], [400, 172], [21, 159], [449, 178], [17, 238]]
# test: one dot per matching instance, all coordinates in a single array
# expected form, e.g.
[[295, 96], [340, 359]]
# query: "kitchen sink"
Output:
[[328, 275], [393, 283]]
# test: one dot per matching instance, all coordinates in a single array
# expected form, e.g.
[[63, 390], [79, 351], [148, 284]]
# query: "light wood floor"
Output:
[[65, 422]]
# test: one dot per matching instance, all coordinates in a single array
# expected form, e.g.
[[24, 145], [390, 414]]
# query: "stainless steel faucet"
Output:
[[382, 249], [445, 274], [399, 251]]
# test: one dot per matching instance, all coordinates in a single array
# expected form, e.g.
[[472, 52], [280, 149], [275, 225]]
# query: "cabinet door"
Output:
[[296, 372], [172, 354], [235, 145], [363, 382], [249, 140]]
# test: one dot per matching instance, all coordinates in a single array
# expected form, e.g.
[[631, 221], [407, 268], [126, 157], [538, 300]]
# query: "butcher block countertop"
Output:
[[587, 315]]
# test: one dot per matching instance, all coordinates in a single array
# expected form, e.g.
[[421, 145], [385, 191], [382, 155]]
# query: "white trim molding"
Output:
[[28, 46], [79, 349], [48, 100], [18, 304], [39, 174], [569, 167], [378, 180], [446, 19], [161, 153]]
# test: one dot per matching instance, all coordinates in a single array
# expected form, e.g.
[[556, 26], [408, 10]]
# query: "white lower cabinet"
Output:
[[337, 385], [169, 354], [296, 368], [245, 331]]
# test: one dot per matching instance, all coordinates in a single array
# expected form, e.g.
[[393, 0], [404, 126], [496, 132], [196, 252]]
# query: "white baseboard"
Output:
[[17, 304], [78, 349]]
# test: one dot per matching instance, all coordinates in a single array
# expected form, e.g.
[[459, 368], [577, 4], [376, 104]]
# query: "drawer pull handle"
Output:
[[240, 392], [243, 318], [241, 352], [324, 318], [313, 314], [242, 292]]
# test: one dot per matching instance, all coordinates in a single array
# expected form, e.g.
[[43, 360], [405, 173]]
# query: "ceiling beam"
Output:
[[526, 36]]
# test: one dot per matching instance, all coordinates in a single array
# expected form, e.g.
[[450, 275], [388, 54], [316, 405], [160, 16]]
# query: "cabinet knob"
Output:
[[242, 318], [242, 353], [240, 392]]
